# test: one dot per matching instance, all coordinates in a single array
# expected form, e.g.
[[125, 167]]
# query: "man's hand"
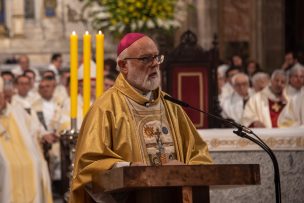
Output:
[[50, 138]]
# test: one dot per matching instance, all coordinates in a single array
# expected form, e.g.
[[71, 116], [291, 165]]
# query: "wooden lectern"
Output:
[[164, 184]]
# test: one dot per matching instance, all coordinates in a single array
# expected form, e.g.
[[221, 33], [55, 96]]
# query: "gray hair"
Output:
[[277, 72], [295, 69], [233, 79], [259, 76], [221, 70]]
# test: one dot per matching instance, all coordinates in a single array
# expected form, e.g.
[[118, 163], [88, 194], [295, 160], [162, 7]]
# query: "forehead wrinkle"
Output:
[[143, 46]]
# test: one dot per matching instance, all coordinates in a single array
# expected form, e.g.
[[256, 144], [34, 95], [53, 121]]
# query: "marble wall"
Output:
[[291, 174]]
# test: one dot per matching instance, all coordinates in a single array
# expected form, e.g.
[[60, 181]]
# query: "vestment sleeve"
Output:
[[93, 151]]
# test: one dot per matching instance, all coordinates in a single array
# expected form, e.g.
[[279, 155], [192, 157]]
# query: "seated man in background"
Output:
[[260, 81], [132, 124], [296, 80], [264, 108], [227, 89], [22, 97], [233, 106], [293, 114], [23, 170]]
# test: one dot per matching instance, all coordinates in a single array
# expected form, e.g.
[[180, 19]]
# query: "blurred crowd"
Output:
[[44, 95], [255, 98]]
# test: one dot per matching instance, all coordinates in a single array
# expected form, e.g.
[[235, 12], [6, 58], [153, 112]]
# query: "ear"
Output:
[[123, 66]]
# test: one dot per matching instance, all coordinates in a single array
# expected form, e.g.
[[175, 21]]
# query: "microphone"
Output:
[[229, 122], [176, 101], [243, 132]]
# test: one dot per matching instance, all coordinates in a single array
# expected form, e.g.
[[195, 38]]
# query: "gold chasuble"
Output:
[[23, 170], [125, 126]]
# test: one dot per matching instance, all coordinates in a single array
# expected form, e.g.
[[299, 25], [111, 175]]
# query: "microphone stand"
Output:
[[243, 132]]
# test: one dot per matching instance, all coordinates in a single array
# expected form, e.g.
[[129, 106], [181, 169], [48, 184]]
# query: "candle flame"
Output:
[[74, 33], [87, 32], [99, 32]]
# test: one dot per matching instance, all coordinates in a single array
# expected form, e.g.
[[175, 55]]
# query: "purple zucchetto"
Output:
[[128, 40]]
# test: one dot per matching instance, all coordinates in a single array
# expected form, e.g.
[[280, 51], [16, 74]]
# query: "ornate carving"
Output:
[[216, 144]]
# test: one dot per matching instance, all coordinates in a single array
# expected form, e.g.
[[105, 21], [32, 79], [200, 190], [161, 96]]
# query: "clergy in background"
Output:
[[23, 170], [293, 114], [296, 80], [131, 123], [234, 104], [265, 107]]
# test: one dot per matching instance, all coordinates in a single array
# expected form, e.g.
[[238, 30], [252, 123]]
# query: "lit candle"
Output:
[[73, 74], [86, 72], [99, 63]]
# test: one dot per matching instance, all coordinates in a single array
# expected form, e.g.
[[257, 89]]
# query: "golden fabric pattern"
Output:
[[153, 129]]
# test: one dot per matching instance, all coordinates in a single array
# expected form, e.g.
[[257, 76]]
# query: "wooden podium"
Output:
[[164, 184]]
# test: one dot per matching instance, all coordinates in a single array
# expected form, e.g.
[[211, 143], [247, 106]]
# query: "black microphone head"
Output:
[[176, 101]]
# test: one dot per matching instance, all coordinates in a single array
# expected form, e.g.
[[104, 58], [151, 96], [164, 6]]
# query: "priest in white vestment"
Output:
[[233, 105], [296, 80], [227, 89], [22, 98], [264, 108], [259, 81], [60, 90], [49, 111], [23, 170], [293, 114]]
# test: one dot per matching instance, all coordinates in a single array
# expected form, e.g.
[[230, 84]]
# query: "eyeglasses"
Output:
[[150, 59]]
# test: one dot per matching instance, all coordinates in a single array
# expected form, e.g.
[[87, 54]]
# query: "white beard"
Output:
[[146, 84]]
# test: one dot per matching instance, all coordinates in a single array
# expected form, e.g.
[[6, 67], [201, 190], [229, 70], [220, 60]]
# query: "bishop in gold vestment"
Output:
[[131, 122]]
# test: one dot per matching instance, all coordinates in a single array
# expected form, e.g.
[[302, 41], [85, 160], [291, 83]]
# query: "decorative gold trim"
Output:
[[201, 91], [282, 143]]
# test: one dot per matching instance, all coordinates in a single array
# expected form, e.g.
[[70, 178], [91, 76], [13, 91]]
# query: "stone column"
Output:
[[17, 28], [273, 33], [190, 22], [38, 9], [207, 22]]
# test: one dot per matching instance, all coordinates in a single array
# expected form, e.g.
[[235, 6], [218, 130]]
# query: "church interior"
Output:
[[233, 65]]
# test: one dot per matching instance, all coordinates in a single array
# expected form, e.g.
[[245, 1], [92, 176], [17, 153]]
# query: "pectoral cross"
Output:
[[276, 107], [161, 154], [158, 140]]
